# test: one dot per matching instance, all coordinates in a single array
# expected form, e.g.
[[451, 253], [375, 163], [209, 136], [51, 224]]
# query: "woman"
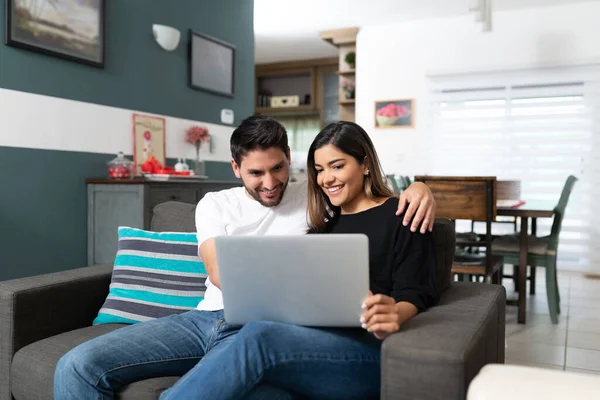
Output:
[[347, 194]]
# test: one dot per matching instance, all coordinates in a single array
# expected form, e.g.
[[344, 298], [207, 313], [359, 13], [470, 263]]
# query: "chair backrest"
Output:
[[470, 198], [559, 211], [508, 190]]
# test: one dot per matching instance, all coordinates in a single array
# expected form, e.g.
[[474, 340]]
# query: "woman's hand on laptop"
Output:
[[383, 316], [417, 203]]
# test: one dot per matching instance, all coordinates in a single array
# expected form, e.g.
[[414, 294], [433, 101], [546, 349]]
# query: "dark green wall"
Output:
[[138, 74], [43, 216]]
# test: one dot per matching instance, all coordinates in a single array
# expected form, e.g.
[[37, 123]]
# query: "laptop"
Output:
[[316, 280]]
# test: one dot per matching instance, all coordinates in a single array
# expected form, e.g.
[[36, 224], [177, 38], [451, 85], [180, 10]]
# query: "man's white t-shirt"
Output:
[[231, 212]]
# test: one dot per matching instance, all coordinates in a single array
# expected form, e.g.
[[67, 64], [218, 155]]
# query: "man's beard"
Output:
[[256, 196]]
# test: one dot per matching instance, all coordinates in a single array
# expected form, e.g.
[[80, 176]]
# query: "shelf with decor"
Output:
[[345, 41], [300, 89], [299, 110]]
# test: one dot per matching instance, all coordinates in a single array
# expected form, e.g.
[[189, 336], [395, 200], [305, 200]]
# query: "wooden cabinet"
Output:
[[130, 203]]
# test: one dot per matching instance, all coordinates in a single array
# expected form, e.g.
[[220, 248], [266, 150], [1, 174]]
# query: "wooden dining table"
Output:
[[524, 212]]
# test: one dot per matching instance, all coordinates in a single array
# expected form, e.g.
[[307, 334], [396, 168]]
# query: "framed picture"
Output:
[[69, 29], [148, 139], [211, 64], [395, 114]]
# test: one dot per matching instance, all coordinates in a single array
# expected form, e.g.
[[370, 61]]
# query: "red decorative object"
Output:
[[196, 135], [120, 167]]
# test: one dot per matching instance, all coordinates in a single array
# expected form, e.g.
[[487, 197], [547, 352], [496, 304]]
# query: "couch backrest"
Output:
[[174, 216], [444, 236]]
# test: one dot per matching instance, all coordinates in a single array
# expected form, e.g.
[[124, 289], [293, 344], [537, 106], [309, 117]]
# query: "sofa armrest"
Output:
[[437, 353], [41, 306]]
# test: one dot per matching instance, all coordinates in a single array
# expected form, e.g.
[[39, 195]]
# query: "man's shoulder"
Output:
[[223, 197], [231, 193]]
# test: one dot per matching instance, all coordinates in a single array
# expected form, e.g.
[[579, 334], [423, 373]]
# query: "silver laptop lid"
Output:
[[312, 280]]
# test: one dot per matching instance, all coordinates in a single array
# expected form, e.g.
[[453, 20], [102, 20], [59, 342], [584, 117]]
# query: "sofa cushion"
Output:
[[32, 369], [148, 389], [155, 274]]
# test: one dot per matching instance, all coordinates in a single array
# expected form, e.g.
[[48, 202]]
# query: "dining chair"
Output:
[[399, 184], [542, 251], [507, 190], [469, 198], [394, 184]]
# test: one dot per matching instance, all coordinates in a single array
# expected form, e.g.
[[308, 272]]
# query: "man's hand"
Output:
[[208, 253], [421, 207], [383, 316]]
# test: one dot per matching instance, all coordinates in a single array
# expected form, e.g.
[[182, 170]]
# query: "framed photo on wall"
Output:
[[211, 64], [148, 139], [395, 113], [69, 29]]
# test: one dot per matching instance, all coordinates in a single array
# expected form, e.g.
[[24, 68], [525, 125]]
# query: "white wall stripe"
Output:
[[51, 123]]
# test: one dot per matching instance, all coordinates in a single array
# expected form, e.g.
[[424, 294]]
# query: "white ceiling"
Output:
[[289, 29]]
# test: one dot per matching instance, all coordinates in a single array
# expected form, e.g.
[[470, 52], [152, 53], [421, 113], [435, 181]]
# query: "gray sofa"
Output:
[[435, 356]]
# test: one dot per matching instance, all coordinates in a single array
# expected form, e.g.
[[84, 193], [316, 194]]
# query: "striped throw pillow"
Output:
[[155, 274]]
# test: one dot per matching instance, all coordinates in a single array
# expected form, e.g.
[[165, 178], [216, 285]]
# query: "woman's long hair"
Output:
[[351, 139]]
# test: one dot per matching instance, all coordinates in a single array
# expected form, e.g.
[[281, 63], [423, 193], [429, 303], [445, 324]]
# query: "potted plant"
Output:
[[348, 88], [350, 59]]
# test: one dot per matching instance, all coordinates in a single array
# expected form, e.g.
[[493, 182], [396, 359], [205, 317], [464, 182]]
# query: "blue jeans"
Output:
[[316, 363], [169, 346]]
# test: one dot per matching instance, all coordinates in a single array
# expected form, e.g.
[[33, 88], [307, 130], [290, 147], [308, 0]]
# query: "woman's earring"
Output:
[[367, 173]]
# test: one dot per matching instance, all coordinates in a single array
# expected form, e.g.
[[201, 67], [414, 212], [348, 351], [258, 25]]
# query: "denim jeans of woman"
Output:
[[315, 363]]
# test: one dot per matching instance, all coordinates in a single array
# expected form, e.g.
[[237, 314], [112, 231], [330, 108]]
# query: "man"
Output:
[[267, 204]]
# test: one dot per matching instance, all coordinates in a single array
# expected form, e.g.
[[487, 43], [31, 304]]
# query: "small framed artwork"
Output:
[[73, 29], [148, 139], [395, 113]]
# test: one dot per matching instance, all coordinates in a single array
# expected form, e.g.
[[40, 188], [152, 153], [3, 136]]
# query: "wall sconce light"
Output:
[[166, 36]]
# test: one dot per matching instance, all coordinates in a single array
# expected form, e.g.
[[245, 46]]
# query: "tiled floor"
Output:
[[573, 344]]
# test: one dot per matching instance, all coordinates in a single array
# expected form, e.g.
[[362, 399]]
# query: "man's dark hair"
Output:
[[258, 132]]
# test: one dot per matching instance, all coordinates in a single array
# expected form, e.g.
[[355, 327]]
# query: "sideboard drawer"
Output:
[[163, 194]]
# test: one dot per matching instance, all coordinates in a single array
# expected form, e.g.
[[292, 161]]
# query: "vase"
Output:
[[199, 169]]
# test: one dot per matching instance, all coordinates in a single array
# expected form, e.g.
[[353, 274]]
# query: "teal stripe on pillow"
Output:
[[112, 319], [155, 274], [155, 263], [167, 236]]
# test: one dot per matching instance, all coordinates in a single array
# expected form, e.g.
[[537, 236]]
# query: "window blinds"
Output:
[[538, 127]]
